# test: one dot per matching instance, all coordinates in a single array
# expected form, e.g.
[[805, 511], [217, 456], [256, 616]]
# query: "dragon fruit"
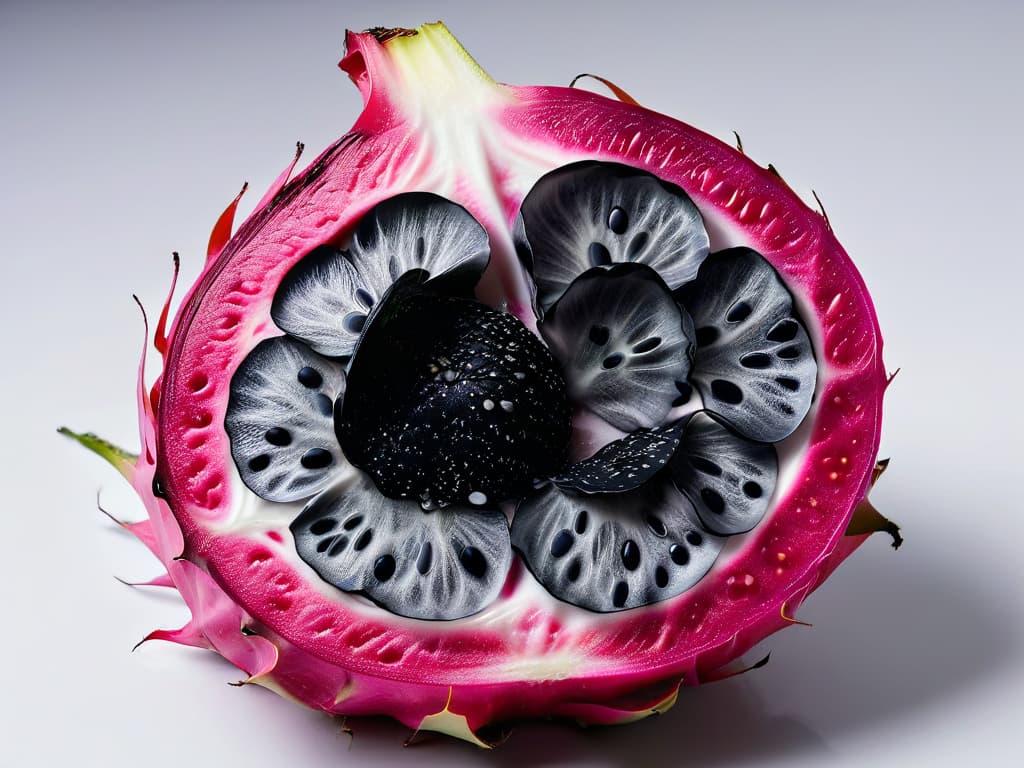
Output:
[[517, 402]]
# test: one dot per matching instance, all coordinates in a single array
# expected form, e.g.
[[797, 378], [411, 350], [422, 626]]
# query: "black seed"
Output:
[[364, 297], [706, 335], [713, 500], [599, 335], [354, 322], [384, 568], [656, 526], [364, 539], [316, 458], [680, 555], [784, 331], [636, 245], [752, 489], [473, 561], [740, 311], [685, 393], [278, 436], [353, 522], [573, 571], [421, 248], [323, 525], [611, 361], [340, 542], [630, 555], [599, 256], [791, 384], [158, 488], [324, 404], [647, 345], [755, 360], [581, 522], [694, 538], [706, 466], [726, 392], [789, 353], [310, 377], [426, 557], [562, 543], [620, 594], [661, 577], [618, 220], [323, 544], [259, 463], [786, 408]]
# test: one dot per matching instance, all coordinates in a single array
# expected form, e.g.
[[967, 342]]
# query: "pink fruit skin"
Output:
[[331, 658]]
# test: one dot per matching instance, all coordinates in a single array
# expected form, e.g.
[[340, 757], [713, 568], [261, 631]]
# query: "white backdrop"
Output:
[[126, 128]]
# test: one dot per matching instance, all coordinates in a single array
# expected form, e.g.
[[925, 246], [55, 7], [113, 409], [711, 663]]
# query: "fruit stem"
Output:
[[416, 72]]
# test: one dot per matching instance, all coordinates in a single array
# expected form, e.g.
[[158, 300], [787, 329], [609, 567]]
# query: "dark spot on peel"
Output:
[[364, 297], [324, 404], [620, 594], [791, 384], [310, 377], [384, 568], [647, 345], [726, 392], [630, 555], [598, 255], [636, 245], [661, 577], [354, 322], [680, 555], [473, 561], [656, 525], [323, 525], [278, 436], [706, 466], [340, 542], [364, 540], [784, 331], [755, 360], [713, 500], [739, 312], [314, 458], [611, 361], [562, 543], [752, 489], [259, 463], [425, 558], [618, 220], [581, 522]]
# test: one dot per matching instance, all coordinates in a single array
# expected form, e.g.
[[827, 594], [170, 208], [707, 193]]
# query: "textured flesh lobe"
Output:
[[433, 122]]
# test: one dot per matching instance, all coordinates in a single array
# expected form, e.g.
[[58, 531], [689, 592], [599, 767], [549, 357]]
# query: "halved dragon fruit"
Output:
[[517, 402]]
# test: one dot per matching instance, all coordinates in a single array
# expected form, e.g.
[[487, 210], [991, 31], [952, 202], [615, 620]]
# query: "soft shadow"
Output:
[[894, 633]]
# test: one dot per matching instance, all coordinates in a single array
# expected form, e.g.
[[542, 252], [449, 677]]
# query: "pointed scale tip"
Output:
[[120, 459]]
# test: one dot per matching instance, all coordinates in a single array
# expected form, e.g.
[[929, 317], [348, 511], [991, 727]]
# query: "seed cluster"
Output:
[[450, 401]]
